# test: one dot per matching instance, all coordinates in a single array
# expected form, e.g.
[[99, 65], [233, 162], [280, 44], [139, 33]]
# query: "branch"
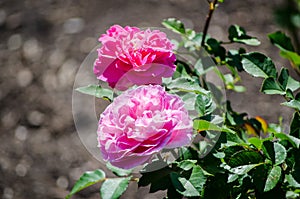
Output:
[[212, 7]]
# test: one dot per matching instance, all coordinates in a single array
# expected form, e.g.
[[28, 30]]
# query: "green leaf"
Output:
[[293, 140], [238, 34], [292, 84], [204, 104], [244, 158], [258, 65], [268, 150], [113, 188], [286, 81], [186, 85], [187, 164], [283, 78], [96, 91], [203, 125], [154, 177], [118, 171], [174, 25], [194, 185], [271, 87], [280, 153], [229, 151], [256, 142], [292, 182], [197, 178], [259, 176], [281, 40], [295, 127], [273, 178], [291, 195], [287, 50], [87, 179], [241, 170], [274, 151], [217, 187], [232, 177], [181, 70], [219, 155], [176, 183], [292, 56], [190, 190], [189, 101], [214, 47], [204, 65], [230, 83], [295, 104]]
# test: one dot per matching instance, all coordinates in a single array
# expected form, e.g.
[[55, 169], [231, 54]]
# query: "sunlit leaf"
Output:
[[113, 188], [118, 171], [286, 81], [257, 142], [203, 125], [292, 104], [187, 85], [187, 164], [204, 104], [280, 153], [87, 179], [194, 185], [174, 25], [258, 65], [244, 158], [190, 190], [293, 140], [292, 182], [281, 40], [271, 87], [273, 178], [96, 91], [238, 34], [241, 170]]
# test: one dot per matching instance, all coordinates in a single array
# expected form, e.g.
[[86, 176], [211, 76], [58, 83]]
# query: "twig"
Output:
[[212, 6]]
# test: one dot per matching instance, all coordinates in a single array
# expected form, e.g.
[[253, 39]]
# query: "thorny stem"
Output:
[[212, 7]]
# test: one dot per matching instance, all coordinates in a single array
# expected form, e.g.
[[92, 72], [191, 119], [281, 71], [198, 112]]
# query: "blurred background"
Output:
[[43, 43]]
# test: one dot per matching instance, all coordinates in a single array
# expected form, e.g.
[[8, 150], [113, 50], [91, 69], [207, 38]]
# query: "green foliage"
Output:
[[248, 157], [273, 178], [174, 25], [113, 188], [238, 34], [118, 171], [287, 50], [271, 87], [259, 65], [96, 91], [87, 179]]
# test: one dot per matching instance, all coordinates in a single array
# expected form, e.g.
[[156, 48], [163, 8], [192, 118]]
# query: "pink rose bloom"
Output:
[[140, 123], [130, 56]]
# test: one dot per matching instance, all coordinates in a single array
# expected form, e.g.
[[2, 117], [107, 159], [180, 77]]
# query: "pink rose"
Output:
[[140, 123], [130, 56]]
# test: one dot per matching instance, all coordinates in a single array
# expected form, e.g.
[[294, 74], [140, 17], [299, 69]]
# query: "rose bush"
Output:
[[140, 123], [130, 56], [233, 155]]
